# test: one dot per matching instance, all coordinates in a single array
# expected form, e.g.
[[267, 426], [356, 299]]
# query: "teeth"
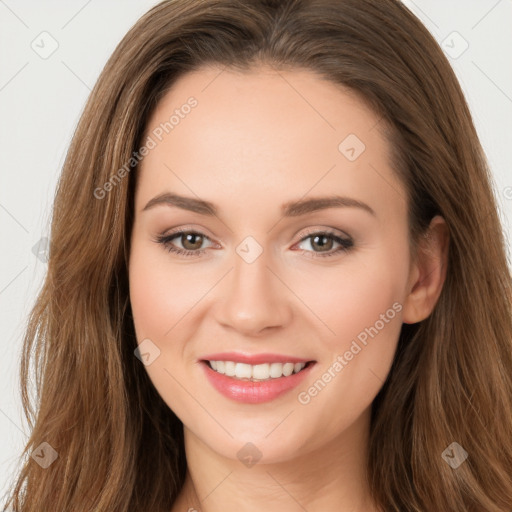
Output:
[[260, 371], [263, 371], [229, 368], [288, 369], [276, 370], [243, 371]]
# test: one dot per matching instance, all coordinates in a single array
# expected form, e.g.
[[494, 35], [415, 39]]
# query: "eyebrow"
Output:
[[289, 209]]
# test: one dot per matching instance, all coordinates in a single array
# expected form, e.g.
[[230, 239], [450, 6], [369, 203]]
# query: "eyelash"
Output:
[[165, 240]]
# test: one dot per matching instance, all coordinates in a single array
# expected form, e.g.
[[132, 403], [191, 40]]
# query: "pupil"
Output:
[[323, 237], [193, 235]]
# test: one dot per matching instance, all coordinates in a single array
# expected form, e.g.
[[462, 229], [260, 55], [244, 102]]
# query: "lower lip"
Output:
[[250, 392]]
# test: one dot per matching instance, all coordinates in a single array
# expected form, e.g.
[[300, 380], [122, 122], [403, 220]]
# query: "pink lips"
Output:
[[246, 391]]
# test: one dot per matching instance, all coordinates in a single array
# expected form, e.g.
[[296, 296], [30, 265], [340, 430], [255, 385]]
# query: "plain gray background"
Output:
[[51, 55]]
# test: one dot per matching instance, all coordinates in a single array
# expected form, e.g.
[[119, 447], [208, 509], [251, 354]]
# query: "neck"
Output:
[[330, 477]]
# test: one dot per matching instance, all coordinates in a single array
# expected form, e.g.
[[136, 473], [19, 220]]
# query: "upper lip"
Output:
[[239, 357]]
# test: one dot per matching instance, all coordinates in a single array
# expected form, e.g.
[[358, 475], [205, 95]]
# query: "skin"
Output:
[[254, 141]]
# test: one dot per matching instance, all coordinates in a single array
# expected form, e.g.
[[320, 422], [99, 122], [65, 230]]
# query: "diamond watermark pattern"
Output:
[[455, 455], [44, 455], [40, 250], [249, 455], [454, 45], [351, 147], [45, 45], [147, 352], [249, 249]]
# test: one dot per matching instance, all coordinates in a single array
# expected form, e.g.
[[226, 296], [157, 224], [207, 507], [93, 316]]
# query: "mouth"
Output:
[[258, 372], [255, 383]]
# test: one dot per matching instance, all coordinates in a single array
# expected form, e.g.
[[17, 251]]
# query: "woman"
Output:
[[195, 347]]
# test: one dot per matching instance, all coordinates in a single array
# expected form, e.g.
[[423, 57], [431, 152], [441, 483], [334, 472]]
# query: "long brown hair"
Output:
[[120, 447]]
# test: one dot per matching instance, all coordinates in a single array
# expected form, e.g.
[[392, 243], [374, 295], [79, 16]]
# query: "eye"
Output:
[[192, 241], [189, 238], [324, 240]]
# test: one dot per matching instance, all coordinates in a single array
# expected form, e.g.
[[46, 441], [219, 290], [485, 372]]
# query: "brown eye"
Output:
[[322, 244], [191, 241]]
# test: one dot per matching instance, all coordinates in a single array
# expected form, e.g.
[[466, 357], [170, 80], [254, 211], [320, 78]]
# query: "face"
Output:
[[251, 278]]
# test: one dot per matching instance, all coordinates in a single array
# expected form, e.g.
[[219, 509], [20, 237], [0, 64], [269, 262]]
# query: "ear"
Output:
[[427, 273]]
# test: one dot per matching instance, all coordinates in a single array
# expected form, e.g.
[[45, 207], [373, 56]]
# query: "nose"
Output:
[[256, 298]]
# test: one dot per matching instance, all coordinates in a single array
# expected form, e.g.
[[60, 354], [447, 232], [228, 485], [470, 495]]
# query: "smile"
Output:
[[254, 384], [258, 372]]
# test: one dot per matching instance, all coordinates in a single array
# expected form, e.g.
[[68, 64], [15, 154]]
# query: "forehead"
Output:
[[262, 132]]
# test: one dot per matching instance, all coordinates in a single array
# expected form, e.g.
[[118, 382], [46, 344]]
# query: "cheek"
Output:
[[353, 296], [160, 300], [360, 305], [150, 300], [159, 297], [362, 308]]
